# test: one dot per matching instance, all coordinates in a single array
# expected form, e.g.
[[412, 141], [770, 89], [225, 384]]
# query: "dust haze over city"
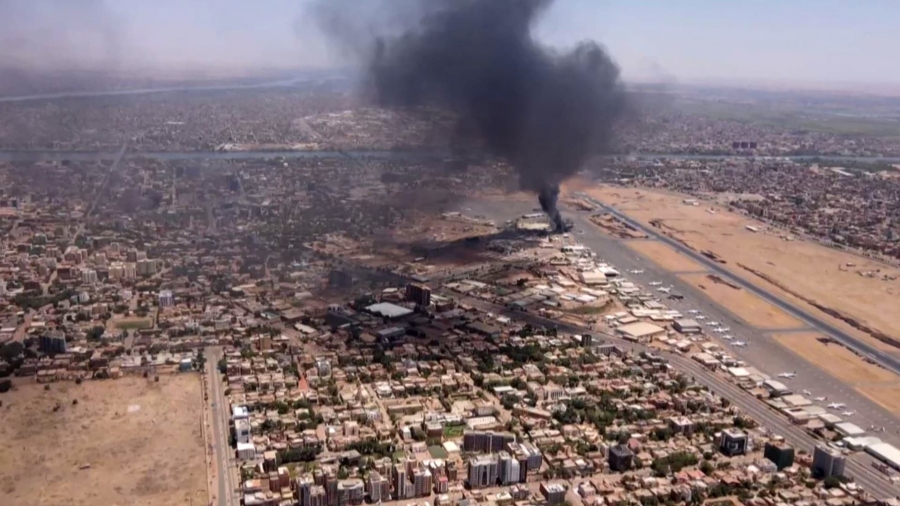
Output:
[[415, 252]]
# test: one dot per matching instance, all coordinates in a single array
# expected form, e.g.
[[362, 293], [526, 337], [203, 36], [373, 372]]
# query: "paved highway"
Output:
[[223, 452]]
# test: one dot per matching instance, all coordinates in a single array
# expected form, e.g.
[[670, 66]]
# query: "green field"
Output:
[[437, 452], [452, 431]]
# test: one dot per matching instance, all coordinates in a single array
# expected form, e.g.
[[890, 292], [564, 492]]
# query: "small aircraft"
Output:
[[724, 329], [663, 290], [740, 344], [693, 311], [701, 317], [637, 271], [728, 337], [820, 399], [655, 283], [848, 413], [788, 374], [807, 392], [836, 405]]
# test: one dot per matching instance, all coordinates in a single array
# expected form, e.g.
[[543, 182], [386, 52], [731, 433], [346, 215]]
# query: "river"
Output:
[[50, 155]]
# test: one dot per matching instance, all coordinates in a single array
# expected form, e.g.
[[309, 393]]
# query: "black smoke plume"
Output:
[[543, 111]]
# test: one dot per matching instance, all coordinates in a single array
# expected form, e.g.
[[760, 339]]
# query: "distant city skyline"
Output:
[[825, 43]]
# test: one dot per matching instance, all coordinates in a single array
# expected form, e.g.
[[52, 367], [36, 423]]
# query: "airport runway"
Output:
[[888, 361], [762, 352]]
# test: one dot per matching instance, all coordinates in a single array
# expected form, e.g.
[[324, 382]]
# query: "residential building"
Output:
[[827, 462], [483, 471], [317, 496], [401, 483], [303, 486], [242, 430], [89, 276], [379, 487], [486, 441], [52, 342], [780, 453], [422, 482], [620, 458], [554, 493], [733, 442], [166, 299], [509, 471], [420, 294], [350, 492]]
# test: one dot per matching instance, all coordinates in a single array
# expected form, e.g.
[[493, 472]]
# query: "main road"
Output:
[[220, 430]]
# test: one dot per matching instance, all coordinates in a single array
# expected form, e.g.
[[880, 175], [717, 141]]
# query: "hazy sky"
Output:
[[777, 41]]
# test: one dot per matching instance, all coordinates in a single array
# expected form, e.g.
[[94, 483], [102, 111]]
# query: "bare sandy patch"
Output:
[[878, 384], [834, 358], [748, 307], [128, 441], [886, 396], [665, 256]]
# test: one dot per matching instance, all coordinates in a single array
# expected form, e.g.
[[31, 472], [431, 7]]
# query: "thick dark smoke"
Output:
[[541, 110]]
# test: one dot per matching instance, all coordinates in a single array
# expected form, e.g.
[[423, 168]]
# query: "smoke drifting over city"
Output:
[[543, 111]]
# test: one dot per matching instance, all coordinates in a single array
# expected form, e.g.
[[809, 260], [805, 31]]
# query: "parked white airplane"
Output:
[[655, 283], [701, 317], [725, 329], [718, 330], [714, 324], [664, 290], [693, 311], [728, 337], [820, 399], [739, 344], [787, 374], [848, 413], [836, 405], [807, 393], [637, 271]]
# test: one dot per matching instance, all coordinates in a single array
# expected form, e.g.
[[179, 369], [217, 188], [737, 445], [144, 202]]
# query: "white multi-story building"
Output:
[[166, 299], [89, 276]]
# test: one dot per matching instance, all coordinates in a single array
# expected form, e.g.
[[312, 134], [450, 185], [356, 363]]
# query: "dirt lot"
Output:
[[665, 256], [876, 383], [142, 440], [802, 268], [746, 306]]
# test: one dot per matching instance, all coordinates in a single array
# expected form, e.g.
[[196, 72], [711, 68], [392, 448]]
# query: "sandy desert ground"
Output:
[[746, 306], [141, 439], [879, 385], [790, 269]]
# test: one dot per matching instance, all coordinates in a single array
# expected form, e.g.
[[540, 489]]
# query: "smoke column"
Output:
[[541, 110]]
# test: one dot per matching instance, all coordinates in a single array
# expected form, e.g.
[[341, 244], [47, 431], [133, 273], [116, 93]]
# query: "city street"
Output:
[[227, 481]]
